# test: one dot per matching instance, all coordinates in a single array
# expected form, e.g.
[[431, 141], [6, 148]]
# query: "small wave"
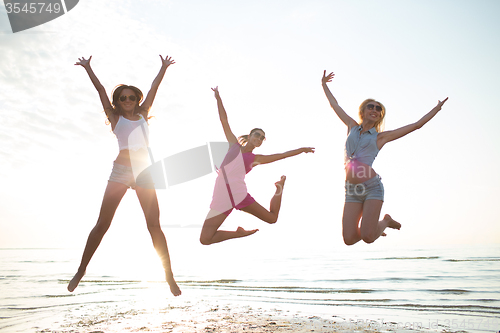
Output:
[[26, 309], [317, 290], [383, 279], [405, 258], [374, 300], [320, 301], [112, 281], [288, 289], [457, 308], [397, 279], [387, 304], [355, 291], [473, 259], [105, 281], [58, 296], [225, 281], [449, 291], [55, 306]]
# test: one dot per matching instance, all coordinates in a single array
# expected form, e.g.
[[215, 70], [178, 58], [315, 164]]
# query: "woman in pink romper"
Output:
[[230, 190]]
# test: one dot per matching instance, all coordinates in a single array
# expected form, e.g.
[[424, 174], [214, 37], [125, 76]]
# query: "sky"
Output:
[[267, 57]]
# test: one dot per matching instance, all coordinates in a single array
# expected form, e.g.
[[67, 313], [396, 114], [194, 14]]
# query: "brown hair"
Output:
[[242, 140], [116, 96], [379, 125], [117, 91]]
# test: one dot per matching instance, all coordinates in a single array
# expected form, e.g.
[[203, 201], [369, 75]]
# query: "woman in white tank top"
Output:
[[128, 119]]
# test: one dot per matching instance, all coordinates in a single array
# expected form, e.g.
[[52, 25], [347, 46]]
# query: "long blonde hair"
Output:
[[242, 140], [379, 125]]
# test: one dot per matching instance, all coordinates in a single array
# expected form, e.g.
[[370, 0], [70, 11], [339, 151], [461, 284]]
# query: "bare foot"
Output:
[[174, 288], [279, 185], [391, 223], [383, 234], [75, 281], [242, 232]]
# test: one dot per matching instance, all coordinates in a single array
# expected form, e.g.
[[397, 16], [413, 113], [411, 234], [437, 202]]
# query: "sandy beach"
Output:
[[326, 295], [201, 317]]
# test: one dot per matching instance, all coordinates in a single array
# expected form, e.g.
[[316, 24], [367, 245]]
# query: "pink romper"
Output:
[[230, 189]]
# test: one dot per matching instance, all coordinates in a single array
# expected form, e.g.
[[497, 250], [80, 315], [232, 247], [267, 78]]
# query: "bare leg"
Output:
[[210, 233], [112, 197], [371, 227], [350, 222], [270, 216], [149, 204]]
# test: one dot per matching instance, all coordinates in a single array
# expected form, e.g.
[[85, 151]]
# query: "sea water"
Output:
[[447, 287]]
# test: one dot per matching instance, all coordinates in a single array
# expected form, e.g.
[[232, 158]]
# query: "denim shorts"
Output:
[[124, 174], [371, 189]]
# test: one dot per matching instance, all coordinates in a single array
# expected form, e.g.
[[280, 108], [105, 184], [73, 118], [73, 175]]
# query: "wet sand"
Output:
[[201, 317]]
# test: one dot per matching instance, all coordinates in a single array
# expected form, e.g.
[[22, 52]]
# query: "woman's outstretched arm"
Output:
[[333, 102], [264, 159], [388, 136], [85, 63], [148, 102], [231, 138]]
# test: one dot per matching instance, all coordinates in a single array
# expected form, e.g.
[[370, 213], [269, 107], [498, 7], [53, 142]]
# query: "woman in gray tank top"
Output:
[[364, 191]]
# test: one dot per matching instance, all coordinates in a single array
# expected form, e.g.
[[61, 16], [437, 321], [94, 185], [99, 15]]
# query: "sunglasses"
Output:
[[132, 98], [259, 136], [376, 107]]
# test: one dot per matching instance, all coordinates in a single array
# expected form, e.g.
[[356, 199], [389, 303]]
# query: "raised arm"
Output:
[[85, 63], [264, 159], [231, 138], [148, 102], [388, 136], [333, 102]]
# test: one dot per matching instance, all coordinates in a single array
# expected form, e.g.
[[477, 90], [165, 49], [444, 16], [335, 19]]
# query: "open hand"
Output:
[[83, 62], [308, 150], [167, 61], [327, 78]]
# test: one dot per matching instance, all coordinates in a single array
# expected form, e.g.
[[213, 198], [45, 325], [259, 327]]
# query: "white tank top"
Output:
[[132, 134]]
